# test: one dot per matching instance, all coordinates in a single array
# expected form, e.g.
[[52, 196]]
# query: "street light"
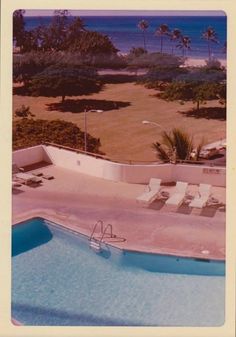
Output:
[[173, 157], [153, 123]]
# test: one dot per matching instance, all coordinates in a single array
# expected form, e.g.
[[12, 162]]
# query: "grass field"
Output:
[[119, 126]]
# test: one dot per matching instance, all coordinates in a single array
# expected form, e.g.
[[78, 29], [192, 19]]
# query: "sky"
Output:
[[33, 12]]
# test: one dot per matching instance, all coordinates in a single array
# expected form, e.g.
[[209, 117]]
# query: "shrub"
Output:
[[30, 132], [23, 111]]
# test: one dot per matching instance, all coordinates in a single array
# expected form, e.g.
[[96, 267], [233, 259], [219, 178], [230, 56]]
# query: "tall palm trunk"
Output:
[[144, 40], [209, 50]]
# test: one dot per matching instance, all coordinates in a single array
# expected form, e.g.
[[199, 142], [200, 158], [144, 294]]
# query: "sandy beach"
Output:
[[193, 62]]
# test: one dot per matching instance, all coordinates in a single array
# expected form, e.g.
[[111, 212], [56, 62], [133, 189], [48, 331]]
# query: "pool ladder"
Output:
[[95, 243]]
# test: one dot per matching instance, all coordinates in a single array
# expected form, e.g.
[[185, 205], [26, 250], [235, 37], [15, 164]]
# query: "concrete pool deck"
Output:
[[78, 201]]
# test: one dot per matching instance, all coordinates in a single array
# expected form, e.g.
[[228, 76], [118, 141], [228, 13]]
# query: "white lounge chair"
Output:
[[152, 192], [201, 199], [179, 194], [25, 178]]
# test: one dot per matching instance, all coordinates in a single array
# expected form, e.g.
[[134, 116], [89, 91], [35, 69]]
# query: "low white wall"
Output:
[[30, 155], [76, 161], [139, 174], [196, 174], [107, 169]]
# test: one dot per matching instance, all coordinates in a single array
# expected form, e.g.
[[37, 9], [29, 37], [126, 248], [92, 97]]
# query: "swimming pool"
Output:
[[58, 280]]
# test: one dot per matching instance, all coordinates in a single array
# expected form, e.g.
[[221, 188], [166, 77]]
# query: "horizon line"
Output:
[[72, 12]]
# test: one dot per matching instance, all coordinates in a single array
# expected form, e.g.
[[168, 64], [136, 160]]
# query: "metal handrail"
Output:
[[104, 232], [99, 222]]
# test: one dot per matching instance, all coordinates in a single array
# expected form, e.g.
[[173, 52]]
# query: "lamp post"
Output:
[[172, 158], [154, 123]]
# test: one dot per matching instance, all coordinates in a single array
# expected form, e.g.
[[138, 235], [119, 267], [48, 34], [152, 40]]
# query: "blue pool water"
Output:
[[58, 280]]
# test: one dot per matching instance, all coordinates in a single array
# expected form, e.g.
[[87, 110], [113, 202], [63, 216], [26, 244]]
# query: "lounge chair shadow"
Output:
[[34, 185], [17, 191], [79, 105], [157, 205], [209, 211], [184, 209]]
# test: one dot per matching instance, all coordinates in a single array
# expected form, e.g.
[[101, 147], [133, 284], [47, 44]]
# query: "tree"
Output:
[[18, 27], [104, 61], [65, 80], [213, 64], [204, 92], [29, 64], [149, 60], [58, 29], [143, 25], [198, 92], [136, 52], [178, 90], [92, 43], [65, 34], [222, 93], [53, 37], [30, 132], [184, 44], [45, 39], [75, 30], [175, 35], [176, 145], [165, 73], [211, 37], [162, 30], [203, 74], [32, 40]]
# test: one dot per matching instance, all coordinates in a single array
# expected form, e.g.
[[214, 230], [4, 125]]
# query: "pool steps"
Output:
[[95, 245]]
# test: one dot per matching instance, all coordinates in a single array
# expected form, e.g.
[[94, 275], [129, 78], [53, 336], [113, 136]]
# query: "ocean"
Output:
[[125, 34]]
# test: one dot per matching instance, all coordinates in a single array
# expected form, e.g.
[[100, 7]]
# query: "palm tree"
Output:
[[184, 44], [176, 145], [174, 37], [211, 36], [143, 25], [162, 31]]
